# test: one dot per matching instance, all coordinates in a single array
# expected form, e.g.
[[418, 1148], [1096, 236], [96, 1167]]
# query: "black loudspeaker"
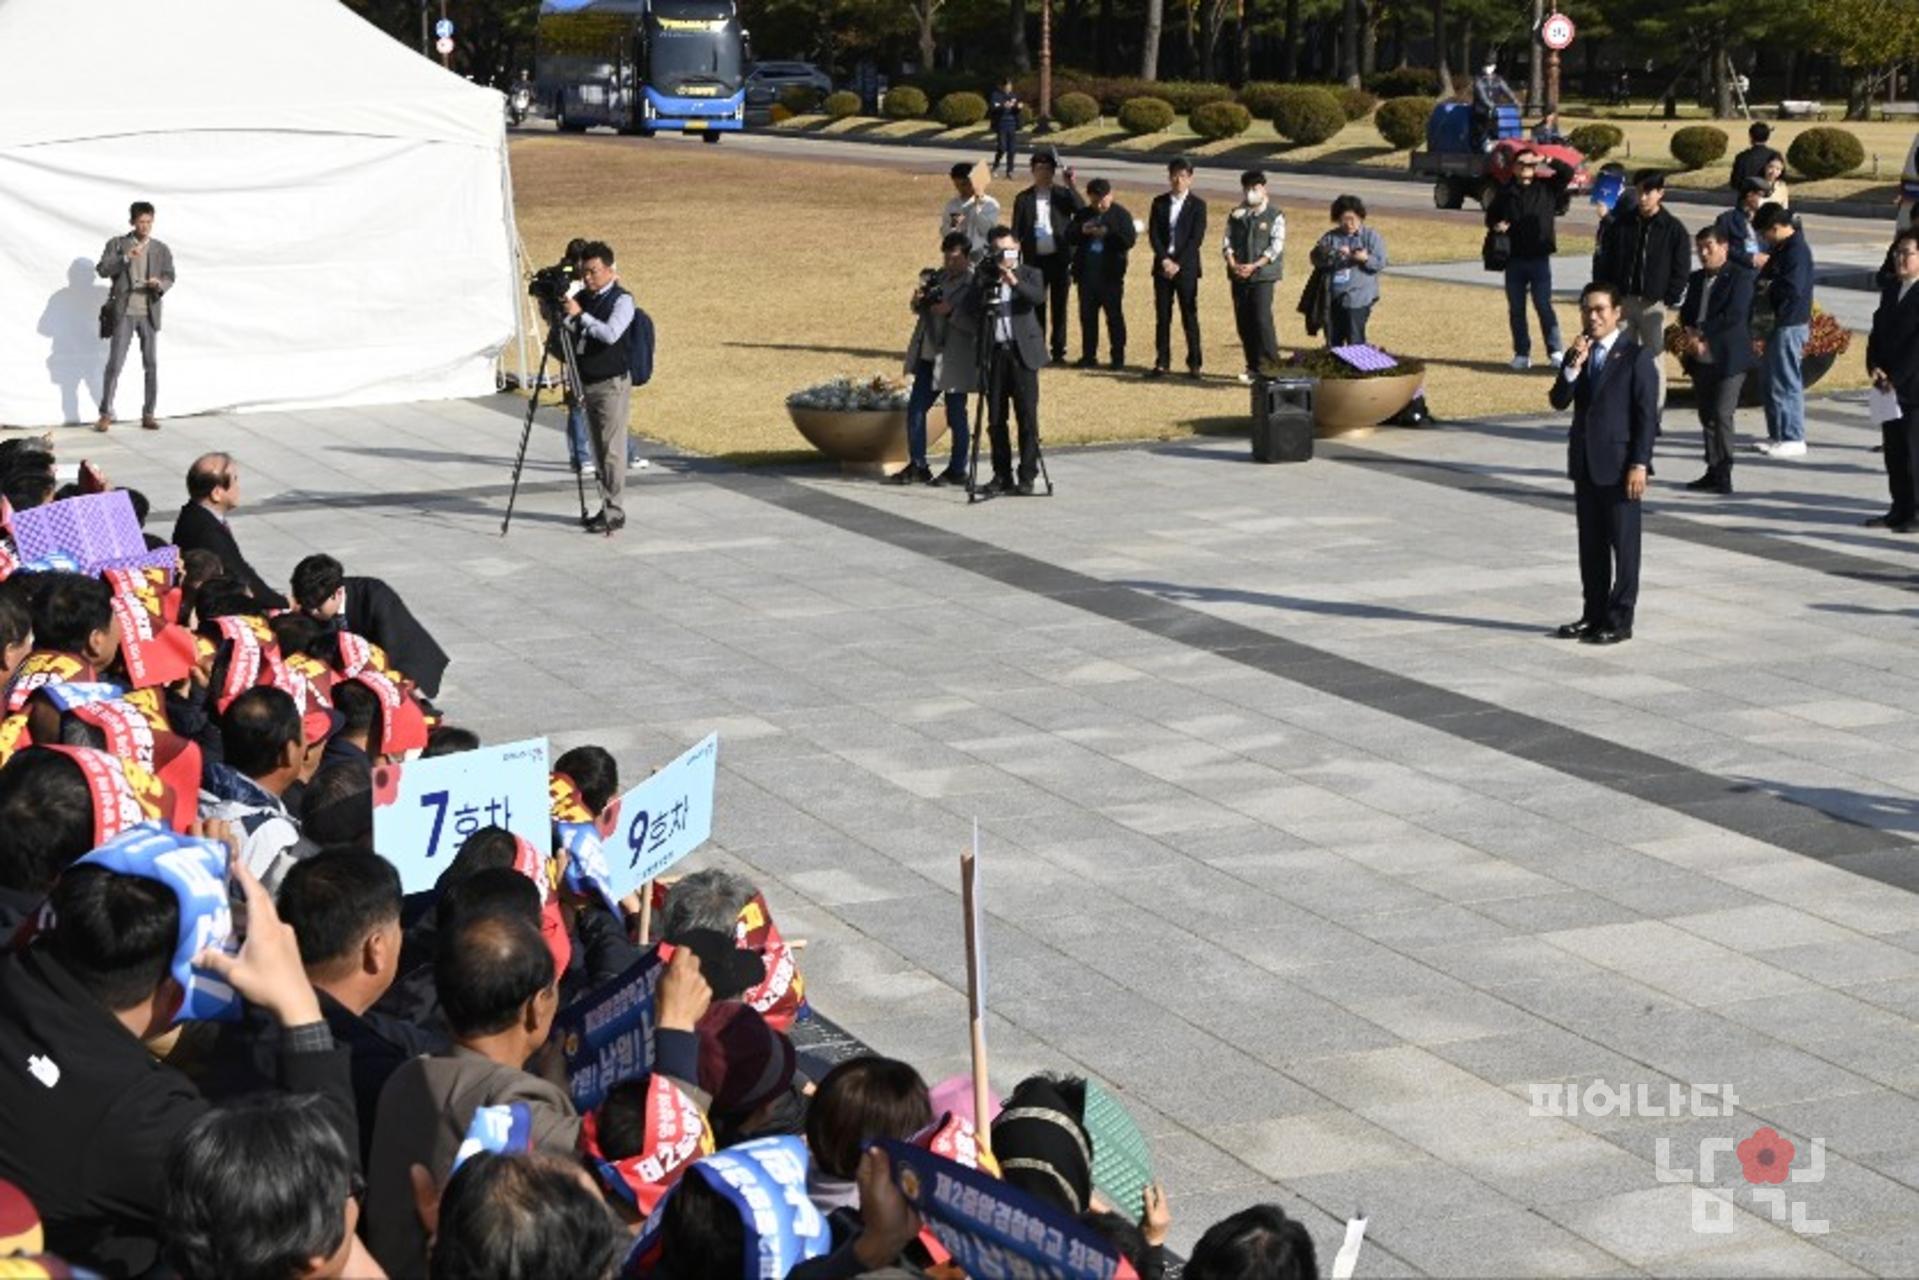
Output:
[[1282, 420]]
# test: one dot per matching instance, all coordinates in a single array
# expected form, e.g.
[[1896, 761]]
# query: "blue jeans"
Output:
[[917, 407], [1531, 276], [1785, 383], [578, 454]]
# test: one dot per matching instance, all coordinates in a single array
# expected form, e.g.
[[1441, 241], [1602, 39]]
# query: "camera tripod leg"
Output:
[[526, 434], [1039, 452], [972, 465]]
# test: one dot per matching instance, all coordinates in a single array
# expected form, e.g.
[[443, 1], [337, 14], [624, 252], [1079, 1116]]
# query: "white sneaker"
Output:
[[1558, 358], [1764, 446], [1246, 378], [1788, 449], [1522, 363]]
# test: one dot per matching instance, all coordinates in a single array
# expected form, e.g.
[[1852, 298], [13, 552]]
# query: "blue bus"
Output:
[[640, 66]]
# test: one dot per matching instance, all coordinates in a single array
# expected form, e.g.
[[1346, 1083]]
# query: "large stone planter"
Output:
[[864, 443], [1352, 407]]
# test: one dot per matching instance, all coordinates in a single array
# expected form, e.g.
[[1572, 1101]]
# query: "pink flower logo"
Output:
[[1765, 1157]]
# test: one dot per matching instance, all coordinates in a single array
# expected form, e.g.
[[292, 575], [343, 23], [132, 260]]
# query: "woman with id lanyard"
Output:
[[1352, 255]]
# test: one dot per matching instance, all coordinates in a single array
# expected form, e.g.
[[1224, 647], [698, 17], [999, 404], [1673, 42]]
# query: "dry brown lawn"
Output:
[[765, 275]]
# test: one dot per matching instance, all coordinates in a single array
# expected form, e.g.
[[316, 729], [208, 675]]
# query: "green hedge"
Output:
[[957, 110], [1112, 92], [1596, 141], [1308, 115], [1356, 103], [1825, 152], [1698, 145], [1402, 121], [1141, 116], [800, 99], [905, 102], [842, 105], [1075, 109], [1403, 82], [1216, 120]]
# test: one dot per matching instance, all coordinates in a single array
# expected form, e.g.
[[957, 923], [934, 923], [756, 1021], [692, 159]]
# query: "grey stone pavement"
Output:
[[1296, 827]]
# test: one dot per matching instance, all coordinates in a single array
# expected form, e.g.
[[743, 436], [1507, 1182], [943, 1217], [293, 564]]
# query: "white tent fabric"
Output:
[[339, 208]]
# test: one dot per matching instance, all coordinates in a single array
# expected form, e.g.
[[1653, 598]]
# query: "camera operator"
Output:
[[1005, 294], [942, 359], [597, 320]]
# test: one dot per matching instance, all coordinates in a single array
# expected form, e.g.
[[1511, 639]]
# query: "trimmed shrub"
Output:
[[1403, 82], [957, 110], [1261, 96], [1698, 145], [1356, 103], [1308, 115], [1825, 152], [1402, 121], [778, 114], [1596, 141], [1216, 120], [1075, 109], [800, 99], [1140, 116], [907, 102], [843, 105], [1186, 96]]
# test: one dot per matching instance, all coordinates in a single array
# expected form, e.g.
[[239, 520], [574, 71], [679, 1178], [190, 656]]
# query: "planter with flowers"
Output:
[[1826, 341], [861, 424], [1351, 402]]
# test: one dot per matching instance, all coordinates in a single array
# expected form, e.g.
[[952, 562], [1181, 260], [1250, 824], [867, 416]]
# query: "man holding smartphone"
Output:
[[1006, 294], [141, 269]]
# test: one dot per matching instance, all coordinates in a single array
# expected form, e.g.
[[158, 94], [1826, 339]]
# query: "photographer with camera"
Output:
[[597, 320], [942, 361], [1005, 295]]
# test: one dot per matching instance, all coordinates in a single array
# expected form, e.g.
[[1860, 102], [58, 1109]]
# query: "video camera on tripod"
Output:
[[550, 287]]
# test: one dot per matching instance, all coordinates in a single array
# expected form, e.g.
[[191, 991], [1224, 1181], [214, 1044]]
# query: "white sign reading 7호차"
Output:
[[424, 810], [664, 818]]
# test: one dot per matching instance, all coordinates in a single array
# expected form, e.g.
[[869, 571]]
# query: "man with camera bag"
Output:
[[598, 319], [141, 269], [1005, 294]]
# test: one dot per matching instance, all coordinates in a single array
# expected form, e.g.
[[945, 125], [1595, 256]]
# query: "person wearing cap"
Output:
[[1254, 246], [1742, 241], [748, 1069], [1525, 211], [1788, 282], [1647, 257], [269, 747], [1490, 93], [1751, 163], [1042, 214], [970, 210]]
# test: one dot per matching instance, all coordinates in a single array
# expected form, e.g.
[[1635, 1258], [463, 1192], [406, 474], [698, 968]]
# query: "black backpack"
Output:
[[639, 347]]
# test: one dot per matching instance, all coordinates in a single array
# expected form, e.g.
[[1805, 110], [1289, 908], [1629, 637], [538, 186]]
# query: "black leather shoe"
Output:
[[952, 476], [1024, 489], [1086, 362], [1119, 362], [1704, 483], [1607, 635], [1887, 521], [1575, 630], [910, 474], [1003, 484], [1158, 371], [603, 523], [1194, 373]]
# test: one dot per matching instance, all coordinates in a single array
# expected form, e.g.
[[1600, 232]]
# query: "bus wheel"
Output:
[[713, 138], [570, 126]]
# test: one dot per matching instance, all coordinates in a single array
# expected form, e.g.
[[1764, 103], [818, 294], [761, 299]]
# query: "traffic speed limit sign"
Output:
[[444, 44], [1557, 31]]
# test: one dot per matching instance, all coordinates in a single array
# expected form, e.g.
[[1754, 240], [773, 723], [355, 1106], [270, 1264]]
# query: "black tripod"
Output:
[[986, 380], [554, 337]]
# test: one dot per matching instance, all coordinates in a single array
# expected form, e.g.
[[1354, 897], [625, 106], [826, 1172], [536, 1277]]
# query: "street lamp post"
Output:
[[1042, 121]]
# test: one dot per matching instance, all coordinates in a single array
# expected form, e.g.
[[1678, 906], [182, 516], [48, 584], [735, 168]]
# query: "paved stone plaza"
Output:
[[1296, 826]]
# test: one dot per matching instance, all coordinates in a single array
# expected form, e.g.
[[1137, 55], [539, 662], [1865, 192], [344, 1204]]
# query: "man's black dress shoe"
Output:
[[1574, 630], [1607, 635]]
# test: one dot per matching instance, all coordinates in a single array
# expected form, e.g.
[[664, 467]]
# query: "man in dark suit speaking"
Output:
[[213, 491], [1176, 228], [1004, 293], [1613, 387], [1717, 320]]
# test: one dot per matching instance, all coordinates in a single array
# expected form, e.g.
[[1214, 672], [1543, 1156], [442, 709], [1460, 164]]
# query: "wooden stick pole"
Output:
[[976, 990], [646, 913]]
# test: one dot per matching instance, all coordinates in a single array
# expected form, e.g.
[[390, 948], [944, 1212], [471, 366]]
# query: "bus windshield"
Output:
[[693, 40]]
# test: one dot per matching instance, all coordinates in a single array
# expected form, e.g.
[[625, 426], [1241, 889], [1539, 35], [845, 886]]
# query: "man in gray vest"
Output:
[[141, 269], [597, 320]]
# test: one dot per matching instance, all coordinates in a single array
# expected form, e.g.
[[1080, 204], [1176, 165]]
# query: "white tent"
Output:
[[339, 208]]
